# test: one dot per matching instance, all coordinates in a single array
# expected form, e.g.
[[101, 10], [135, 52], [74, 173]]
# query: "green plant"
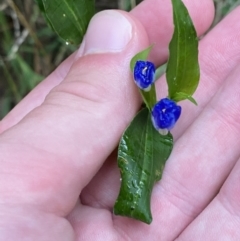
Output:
[[147, 142]]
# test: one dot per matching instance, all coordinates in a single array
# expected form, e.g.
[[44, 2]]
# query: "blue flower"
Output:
[[165, 114], [144, 72]]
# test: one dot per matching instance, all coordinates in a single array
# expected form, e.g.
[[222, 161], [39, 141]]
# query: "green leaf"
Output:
[[182, 96], [149, 97], [68, 18], [41, 7], [142, 155], [143, 55], [183, 69]]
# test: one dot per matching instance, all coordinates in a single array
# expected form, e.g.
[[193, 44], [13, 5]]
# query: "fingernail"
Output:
[[108, 31]]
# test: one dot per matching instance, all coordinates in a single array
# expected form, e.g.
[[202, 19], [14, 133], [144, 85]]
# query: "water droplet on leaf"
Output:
[[134, 183]]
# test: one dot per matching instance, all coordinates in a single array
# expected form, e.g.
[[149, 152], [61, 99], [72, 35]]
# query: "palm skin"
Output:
[[54, 181]]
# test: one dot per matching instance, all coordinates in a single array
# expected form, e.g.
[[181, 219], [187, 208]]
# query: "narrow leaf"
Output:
[[142, 155], [68, 18], [182, 96], [183, 69], [41, 7], [149, 97], [143, 55]]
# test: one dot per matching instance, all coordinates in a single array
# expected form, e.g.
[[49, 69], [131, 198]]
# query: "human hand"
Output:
[[58, 149]]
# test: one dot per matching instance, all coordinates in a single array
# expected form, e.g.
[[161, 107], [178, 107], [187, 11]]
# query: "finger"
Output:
[[49, 156], [159, 27], [221, 219]]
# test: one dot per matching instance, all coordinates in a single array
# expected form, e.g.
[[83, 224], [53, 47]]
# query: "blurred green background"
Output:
[[29, 50]]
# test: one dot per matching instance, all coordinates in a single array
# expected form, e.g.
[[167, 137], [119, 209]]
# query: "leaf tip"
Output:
[[142, 55]]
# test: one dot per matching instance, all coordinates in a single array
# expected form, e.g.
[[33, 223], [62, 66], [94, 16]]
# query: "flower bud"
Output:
[[165, 114], [144, 72]]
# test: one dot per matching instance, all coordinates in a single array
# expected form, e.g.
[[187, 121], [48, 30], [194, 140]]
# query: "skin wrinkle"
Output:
[[229, 193], [93, 202], [122, 235], [218, 49], [226, 204], [87, 107], [216, 221], [181, 198], [227, 120], [92, 90], [93, 94]]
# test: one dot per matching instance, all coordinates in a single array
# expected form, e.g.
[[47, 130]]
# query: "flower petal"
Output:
[[165, 114], [144, 74]]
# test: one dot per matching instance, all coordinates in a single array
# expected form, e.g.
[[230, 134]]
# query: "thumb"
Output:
[[66, 139]]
